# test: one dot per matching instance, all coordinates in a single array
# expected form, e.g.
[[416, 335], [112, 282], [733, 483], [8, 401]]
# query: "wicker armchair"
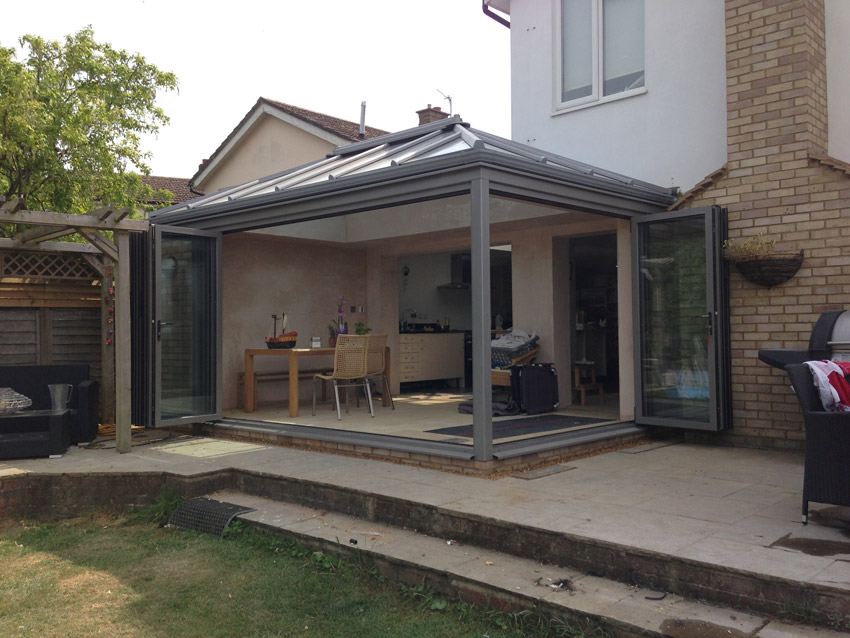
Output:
[[351, 357], [826, 477]]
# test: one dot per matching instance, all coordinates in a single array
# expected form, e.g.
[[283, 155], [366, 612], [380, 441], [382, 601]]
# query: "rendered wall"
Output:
[[837, 77], [271, 145], [673, 135]]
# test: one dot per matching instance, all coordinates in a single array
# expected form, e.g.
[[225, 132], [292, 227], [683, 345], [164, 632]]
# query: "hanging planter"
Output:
[[771, 271], [759, 263]]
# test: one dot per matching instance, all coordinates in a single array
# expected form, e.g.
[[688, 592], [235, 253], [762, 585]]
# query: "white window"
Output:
[[601, 51]]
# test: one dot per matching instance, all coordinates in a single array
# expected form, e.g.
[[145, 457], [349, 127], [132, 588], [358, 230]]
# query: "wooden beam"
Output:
[[102, 213], [39, 218], [42, 233], [95, 263], [49, 247], [120, 214], [102, 243], [123, 347], [12, 206]]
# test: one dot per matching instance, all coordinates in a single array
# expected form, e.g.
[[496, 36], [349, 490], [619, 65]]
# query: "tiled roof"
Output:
[[177, 185], [700, 188], [341, 128]]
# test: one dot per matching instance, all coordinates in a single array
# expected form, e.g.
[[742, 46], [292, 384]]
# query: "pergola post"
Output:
[[123, 363], [482, 388]]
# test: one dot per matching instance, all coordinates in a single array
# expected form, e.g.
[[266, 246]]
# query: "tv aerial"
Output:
[[447, 97]]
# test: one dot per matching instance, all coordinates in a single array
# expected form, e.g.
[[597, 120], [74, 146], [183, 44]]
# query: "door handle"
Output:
[[159, 325]]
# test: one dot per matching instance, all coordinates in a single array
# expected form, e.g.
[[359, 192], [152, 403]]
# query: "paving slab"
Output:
[[720, 506]]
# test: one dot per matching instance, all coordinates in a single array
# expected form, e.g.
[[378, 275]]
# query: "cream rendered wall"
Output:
[[264, 276], [837, 78], [673, 135], [270, 145]]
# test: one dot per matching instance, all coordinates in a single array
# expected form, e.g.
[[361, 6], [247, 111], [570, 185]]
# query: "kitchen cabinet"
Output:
[[430, 356]]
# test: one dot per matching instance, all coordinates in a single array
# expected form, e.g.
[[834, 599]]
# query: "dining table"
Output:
[[292, 356]]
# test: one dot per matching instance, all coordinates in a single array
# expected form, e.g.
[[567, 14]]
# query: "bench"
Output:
[[274, 377]]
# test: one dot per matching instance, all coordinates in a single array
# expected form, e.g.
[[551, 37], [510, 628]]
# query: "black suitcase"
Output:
[[534, 387]]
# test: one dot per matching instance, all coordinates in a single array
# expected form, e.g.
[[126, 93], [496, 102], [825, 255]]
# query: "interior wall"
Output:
[[419, 290], [263, 276]]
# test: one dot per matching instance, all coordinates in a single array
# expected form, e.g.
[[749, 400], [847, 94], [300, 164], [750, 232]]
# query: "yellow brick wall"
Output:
[[778, 181]]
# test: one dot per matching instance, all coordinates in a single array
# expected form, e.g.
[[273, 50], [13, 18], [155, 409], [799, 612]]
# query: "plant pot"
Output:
[[770, 271]]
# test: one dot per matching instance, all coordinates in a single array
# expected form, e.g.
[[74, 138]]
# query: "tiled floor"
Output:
[[415, 414]]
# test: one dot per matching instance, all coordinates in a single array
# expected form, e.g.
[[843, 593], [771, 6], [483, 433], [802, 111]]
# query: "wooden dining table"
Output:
[[292, 355]]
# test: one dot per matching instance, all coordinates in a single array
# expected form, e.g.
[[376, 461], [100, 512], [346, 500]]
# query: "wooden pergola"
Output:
[[110, 258]]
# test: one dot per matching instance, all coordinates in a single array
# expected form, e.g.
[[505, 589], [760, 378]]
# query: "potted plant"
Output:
[[759, 262], [338, 326]]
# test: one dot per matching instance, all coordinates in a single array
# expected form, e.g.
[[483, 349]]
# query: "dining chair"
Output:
[[350, 364], [377, 363]]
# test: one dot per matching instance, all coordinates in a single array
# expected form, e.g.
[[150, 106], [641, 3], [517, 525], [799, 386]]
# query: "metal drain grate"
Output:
[[206, 515]]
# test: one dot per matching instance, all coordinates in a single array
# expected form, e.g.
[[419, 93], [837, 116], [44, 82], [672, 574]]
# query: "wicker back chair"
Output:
[[826, 478], [377, 364], [351, 357]]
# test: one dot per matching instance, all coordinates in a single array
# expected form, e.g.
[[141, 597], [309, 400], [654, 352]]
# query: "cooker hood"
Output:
[[461, 272]]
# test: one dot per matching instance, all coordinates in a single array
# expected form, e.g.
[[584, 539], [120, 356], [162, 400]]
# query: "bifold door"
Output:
[[178, 331], [681, 326]]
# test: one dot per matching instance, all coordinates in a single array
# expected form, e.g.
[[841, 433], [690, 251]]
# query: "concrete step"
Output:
[[504, 581]]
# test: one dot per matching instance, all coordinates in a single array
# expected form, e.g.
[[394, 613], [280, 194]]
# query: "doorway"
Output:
[[594, 336]]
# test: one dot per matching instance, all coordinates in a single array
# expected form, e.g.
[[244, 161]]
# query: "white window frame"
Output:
[[595, 96]]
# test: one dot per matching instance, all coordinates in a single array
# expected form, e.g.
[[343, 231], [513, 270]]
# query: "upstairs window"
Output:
[[601, 52]]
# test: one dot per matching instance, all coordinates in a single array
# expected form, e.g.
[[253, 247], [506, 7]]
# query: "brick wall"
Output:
[[778, 181]]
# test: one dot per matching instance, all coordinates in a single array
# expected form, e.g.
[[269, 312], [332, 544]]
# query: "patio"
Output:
[[725, 520]]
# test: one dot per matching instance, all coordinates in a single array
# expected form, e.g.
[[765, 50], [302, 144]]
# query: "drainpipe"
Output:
[[489, 13]]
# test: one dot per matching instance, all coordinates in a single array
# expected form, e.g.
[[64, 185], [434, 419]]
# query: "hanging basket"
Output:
[[770, 271]]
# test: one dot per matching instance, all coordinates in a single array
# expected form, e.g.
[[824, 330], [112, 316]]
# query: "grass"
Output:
[[127, 576]]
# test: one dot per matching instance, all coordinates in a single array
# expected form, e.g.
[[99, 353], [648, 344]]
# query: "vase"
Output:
[[332, 342]]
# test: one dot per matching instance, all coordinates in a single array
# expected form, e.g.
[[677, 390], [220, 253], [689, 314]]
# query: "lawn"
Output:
[[126, 576]]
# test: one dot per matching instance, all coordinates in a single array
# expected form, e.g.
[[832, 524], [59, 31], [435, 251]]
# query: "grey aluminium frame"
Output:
[[714, 225], [478, 172], [156, 304]]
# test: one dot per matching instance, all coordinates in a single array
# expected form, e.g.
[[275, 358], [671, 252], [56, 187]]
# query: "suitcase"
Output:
[[534, 387]]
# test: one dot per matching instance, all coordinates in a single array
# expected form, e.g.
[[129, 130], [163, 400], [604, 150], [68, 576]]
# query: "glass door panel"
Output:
[[187, 326], [678, 288]]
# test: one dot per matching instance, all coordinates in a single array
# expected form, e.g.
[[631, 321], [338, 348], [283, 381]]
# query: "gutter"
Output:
[[489, 13]]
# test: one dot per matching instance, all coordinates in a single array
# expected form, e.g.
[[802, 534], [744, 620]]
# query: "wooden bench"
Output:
[[274, 377]]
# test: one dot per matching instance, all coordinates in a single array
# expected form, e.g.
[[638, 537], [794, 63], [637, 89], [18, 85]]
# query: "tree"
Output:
[[71, 117]]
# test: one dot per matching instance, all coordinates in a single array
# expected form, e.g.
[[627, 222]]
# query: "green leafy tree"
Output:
[[71, 117]]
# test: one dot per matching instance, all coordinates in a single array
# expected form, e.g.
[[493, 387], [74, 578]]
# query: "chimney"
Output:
[[776, 80], [202, 164], [431, 114]]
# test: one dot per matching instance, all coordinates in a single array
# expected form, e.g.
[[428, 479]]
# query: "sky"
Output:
[[324, 55]]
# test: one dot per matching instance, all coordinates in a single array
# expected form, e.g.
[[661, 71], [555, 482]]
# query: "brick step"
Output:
[[499, 580]]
